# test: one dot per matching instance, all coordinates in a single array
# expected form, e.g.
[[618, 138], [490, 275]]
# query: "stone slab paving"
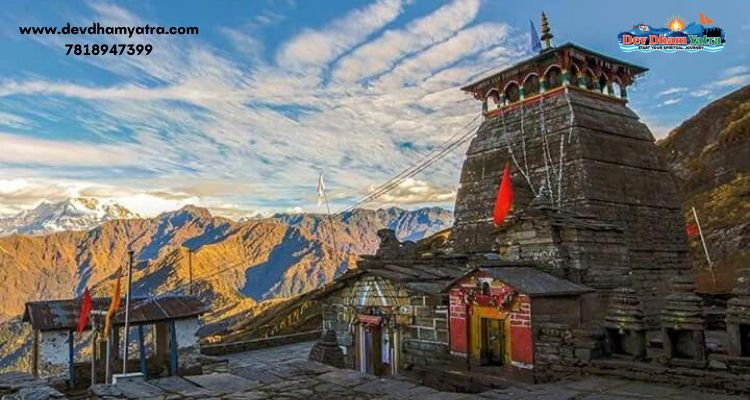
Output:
[[184, 387], [283, 373], [223, 383]]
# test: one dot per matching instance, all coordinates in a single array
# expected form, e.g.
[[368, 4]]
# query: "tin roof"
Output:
[[63, 314], [531, 281], [426, 275]]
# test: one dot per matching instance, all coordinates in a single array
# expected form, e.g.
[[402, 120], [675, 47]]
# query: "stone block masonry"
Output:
[[587, 156]]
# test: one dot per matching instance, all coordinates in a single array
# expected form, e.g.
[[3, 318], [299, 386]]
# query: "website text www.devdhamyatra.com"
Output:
[[88, 49]]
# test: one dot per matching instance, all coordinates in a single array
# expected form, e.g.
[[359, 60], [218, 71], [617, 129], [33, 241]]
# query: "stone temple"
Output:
[[588, 274], [595, 201]]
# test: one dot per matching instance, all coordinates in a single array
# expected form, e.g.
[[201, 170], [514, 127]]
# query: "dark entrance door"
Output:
[[372, 350], [745, 340], [492, 342]]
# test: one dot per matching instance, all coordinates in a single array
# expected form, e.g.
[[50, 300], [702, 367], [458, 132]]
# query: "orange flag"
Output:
[[504, 199], [83, 316], [113, 306]]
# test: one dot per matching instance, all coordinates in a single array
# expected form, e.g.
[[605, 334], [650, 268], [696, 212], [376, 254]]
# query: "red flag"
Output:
[[83, 316], [504, 199], [691, 230]]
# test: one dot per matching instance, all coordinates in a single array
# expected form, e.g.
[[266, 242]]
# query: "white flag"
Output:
[[321, 190]]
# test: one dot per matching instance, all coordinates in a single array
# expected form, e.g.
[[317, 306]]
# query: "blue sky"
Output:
[[242, 117]]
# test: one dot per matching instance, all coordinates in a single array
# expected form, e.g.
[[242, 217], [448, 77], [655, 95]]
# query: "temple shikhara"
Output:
[[588, 274]]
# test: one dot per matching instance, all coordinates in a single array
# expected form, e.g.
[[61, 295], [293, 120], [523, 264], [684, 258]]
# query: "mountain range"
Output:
[[252, 260], [235, 265], [73, 214]]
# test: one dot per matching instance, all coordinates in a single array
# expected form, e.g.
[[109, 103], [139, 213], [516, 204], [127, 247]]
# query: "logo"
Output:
[[674, 36]]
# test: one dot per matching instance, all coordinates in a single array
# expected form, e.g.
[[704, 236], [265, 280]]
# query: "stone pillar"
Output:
[[565, 76], [35, 353], [520, 93], [683, 325], [484, 105], [623, 92], [583, 81], [542, 84], [738, 316], [327, 350], [610, 89], [626, 329]]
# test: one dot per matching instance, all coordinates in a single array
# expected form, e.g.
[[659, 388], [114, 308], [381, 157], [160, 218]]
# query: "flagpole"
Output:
[[330, 222], [705, 248], [322, 192], [94, 337], [127, 314]]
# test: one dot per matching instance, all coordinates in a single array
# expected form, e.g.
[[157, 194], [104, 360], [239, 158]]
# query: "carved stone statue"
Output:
[[390, 247]]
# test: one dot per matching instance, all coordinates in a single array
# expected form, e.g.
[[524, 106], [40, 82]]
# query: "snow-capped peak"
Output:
[[72, 214]]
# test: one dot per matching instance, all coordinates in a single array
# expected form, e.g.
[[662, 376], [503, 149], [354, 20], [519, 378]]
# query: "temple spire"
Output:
[[546, 34]]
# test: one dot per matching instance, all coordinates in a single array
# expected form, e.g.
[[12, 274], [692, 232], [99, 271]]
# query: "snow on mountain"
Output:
[[73, 214]]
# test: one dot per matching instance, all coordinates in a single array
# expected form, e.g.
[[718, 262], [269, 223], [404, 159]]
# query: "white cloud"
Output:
[[151, 204], [393, 46], [670, 102], [672, 90], [14, 121], [312, 48], [30, 151], [415, 191], [233, 132], [737, 80], [737, 70], [18, 194], [700, 93]]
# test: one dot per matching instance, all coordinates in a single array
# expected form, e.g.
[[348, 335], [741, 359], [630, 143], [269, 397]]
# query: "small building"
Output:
[[173, 322], [392, 314], [493, 310]]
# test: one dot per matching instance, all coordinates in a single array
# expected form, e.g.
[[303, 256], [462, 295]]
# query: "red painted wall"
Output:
[[458, 320], [519, 313]]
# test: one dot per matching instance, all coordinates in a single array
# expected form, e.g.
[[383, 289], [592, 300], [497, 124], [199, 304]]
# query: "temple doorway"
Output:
[[370, 350], [492, 342], [378, 347], [745, 340]]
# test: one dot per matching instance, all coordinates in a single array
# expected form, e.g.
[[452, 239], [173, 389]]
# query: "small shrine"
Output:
[[491, 314], [683, 325], [738, 316], [625, 325]]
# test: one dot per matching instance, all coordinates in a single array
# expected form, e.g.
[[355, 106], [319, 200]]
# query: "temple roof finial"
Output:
[[546, 34]]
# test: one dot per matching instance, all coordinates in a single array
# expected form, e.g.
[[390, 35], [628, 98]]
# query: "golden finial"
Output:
[[546, 34]]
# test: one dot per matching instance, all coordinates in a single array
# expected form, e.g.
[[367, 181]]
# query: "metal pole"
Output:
[[71, 360], [330, 223], [95, 336], [102, 315], [127, 314], [142, 350], [705, 248], [109, 356]]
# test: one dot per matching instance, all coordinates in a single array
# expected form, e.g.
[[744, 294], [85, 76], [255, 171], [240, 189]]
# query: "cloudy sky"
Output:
[[242, 117]]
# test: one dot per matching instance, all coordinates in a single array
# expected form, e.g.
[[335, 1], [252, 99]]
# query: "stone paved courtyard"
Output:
[[284, 373]]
